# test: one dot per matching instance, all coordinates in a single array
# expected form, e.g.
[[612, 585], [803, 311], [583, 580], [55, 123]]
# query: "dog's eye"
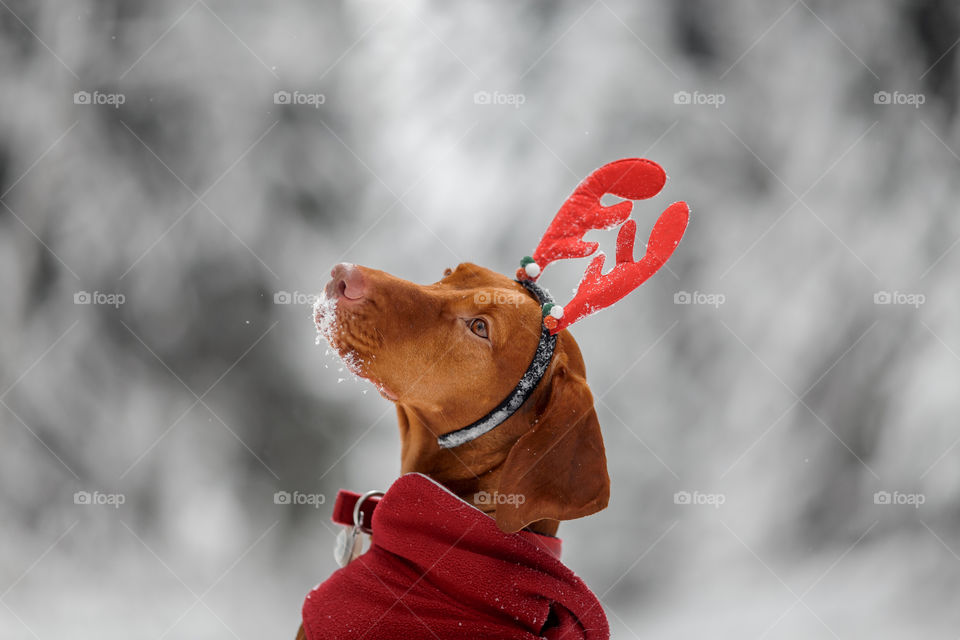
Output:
[[448, 271], [479, 327]]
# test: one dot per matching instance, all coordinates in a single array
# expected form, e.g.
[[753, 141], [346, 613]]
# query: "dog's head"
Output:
[[449, 352], [455, 349]]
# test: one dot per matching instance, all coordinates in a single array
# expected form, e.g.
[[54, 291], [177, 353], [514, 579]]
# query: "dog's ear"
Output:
[[558, 469]]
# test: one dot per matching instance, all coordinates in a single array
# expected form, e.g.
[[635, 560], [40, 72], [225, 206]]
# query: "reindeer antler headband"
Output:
[[633, 179]]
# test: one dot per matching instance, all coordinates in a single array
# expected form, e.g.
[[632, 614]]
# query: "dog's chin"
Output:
[[357, 361], [334, 330], [342, 329], [386, 393], [362, 370]]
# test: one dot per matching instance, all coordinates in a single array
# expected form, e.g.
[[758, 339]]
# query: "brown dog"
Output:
[[445, 354], [490, 387]]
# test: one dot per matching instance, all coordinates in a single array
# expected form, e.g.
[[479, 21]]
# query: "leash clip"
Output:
[[349, 545]]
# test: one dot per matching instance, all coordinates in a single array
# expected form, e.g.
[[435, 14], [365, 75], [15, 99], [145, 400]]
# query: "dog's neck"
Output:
[[468, 471]]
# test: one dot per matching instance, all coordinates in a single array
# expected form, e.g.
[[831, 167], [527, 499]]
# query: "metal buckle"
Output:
[[357, 516]]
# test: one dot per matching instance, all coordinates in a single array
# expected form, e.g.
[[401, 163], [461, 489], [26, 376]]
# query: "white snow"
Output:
[[325, 317]]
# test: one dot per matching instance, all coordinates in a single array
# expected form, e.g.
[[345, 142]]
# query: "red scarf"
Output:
[[440, 568]]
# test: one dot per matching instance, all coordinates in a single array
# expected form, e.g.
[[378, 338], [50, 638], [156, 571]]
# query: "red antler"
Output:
[[633, 178], [597, 291]]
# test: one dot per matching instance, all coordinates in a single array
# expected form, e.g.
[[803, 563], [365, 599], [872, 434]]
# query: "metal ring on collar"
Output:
[[357, 517]]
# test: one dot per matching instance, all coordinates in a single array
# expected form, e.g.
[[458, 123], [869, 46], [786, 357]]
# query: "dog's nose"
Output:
[[347, 282]]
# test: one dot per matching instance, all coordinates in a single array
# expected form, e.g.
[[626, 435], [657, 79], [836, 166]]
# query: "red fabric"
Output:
[[439, 568]]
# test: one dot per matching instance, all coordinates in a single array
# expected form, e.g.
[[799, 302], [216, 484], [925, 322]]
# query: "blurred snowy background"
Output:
[[780, 409]]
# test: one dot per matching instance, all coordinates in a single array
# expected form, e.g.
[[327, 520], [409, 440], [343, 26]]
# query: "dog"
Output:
[[444, 354], [450, 354]]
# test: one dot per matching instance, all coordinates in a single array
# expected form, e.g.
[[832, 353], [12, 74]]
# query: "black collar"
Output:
[[529, 381]]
